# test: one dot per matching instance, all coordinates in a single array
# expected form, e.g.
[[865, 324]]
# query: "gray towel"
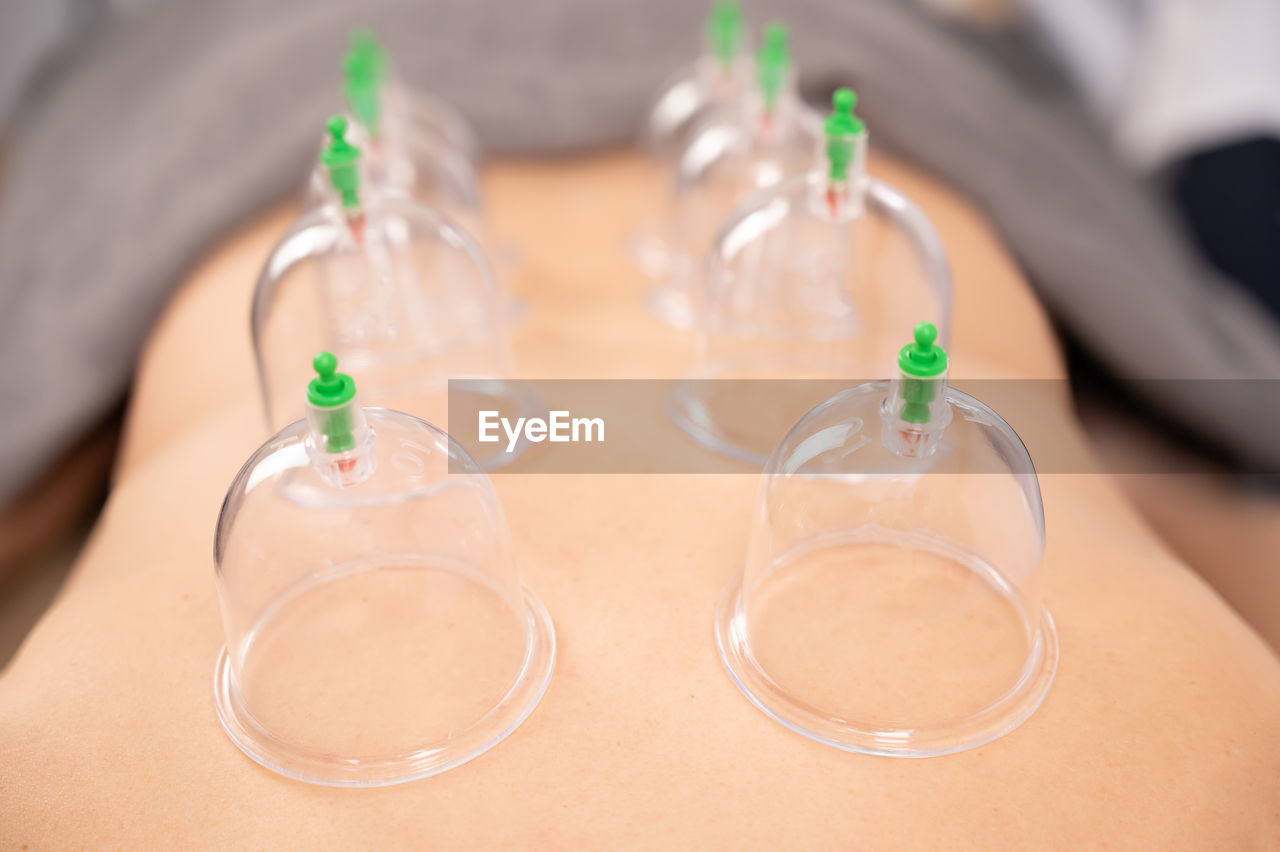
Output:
[[180, 119]]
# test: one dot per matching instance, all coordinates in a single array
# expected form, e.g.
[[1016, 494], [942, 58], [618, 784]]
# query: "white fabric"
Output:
[[1171, 76], [1205, 73]]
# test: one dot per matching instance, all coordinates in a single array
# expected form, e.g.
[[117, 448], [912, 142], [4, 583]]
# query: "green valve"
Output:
[[724, 32], [364, 71], [842, 128], [773, 64], [921, 359], [367, 53], [331, 389], [342, 159]]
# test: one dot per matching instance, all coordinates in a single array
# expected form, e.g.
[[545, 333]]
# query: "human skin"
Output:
[[1161, 731], [1229, 533]]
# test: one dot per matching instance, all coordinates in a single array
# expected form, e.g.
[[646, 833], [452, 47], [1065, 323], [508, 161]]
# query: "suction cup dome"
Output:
[[891, 598], [721, 75], [411, 144], [418, 166], [738, 147], [400, 292], [376, 628], [387, 109], [816, 277]]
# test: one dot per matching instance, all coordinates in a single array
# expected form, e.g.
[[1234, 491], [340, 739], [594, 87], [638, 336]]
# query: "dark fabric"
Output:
[[175, 123], [1230, 198]]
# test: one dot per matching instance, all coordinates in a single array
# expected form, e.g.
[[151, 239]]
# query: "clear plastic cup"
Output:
[[891, 600], [796, 291], [376, 628], [403, 294], [720, 75], [400, 161], [753, 141]]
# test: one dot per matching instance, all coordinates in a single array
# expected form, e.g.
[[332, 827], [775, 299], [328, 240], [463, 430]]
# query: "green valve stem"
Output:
[[366, 53], [342, 160], [724, 32], [773, 64], [923, 357], [916, 413], [364, 70], [924, 365], [843, 130], [329, 388], [341, 443], [330, 398]]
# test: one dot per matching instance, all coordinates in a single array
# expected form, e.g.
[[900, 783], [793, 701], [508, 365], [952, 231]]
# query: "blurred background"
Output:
[[1127, 152]]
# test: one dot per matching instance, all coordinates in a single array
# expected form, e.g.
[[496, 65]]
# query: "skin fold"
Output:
[[1161, 731]]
